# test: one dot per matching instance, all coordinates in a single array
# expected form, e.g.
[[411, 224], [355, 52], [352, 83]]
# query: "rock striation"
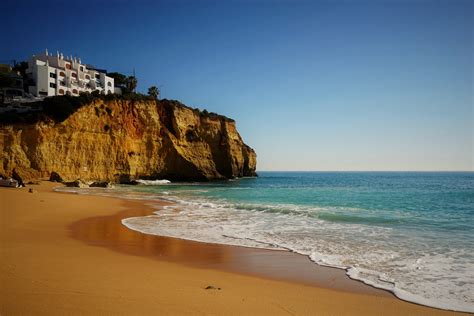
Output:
[[123, 140]]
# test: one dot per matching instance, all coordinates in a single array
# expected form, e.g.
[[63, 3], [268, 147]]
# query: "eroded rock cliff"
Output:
[[121, 140]]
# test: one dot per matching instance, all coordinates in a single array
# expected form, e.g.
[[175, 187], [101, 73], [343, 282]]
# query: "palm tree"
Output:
[[132, 83], [154, 92]]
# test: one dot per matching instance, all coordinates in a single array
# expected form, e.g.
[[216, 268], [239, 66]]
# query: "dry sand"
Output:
[[69, 254]]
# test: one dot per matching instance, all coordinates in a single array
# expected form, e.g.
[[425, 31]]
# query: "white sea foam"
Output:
[[374, 255], [153, 182], [438, 275]]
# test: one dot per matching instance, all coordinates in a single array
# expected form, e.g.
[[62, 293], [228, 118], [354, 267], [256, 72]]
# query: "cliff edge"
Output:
[[122, 140]]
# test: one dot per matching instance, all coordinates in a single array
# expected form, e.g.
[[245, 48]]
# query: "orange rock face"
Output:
[[122, 140]]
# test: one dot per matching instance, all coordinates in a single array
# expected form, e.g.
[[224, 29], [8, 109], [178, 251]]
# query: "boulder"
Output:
[[75, 184], [100, 184]]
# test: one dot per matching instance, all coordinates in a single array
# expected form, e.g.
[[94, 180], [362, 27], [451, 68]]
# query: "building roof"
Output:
[[96, 69]]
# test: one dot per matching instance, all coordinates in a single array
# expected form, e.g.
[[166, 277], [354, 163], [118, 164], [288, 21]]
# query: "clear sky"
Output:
[[313, 85]]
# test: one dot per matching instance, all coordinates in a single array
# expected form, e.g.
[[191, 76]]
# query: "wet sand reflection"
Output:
[[108, 231]]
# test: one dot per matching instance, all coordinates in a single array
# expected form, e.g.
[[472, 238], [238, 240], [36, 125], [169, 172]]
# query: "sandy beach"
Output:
[[69, 254]]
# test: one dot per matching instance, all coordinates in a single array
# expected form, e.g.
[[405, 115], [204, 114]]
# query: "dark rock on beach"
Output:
[[75, 184], [99, 184]]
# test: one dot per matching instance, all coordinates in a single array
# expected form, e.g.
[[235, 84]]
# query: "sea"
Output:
[[411, 233]]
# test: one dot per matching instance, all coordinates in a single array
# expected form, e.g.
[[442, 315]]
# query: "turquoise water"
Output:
[[407, 232]]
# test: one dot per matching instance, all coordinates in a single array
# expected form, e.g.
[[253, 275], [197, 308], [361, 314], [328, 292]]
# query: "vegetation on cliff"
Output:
[[59, 108]]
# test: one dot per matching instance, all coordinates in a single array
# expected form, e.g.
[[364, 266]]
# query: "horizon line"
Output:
[[364, 170]]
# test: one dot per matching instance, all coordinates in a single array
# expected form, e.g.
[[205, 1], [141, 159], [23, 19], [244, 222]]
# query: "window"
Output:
[[82, 68], [62, 83], [88, 77], [97, 76], [109, 84], [68, 66], [61, 91], [62, 73], [52, 75], [74, 75], [52, 85], [74, 91]]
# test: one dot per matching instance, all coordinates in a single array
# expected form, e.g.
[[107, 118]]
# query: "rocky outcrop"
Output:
[[75, 184], [123, 140], [99, 184]]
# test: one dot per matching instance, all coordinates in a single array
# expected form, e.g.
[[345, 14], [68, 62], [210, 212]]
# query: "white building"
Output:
[[59, 75]]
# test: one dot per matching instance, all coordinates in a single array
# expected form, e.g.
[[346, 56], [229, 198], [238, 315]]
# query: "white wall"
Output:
[[41, 75], [42, 79], [107, 83]]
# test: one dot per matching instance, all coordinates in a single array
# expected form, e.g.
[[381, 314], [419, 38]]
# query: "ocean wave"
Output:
[[414, 267], [367, 253]]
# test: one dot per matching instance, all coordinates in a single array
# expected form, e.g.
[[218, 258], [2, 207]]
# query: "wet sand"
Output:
[[69, 254], [107, 231]]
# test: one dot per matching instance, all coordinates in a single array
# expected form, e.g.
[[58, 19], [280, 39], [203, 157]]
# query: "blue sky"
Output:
[[313, 85]]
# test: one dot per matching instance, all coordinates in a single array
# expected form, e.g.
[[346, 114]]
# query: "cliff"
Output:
[[120, 140]]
